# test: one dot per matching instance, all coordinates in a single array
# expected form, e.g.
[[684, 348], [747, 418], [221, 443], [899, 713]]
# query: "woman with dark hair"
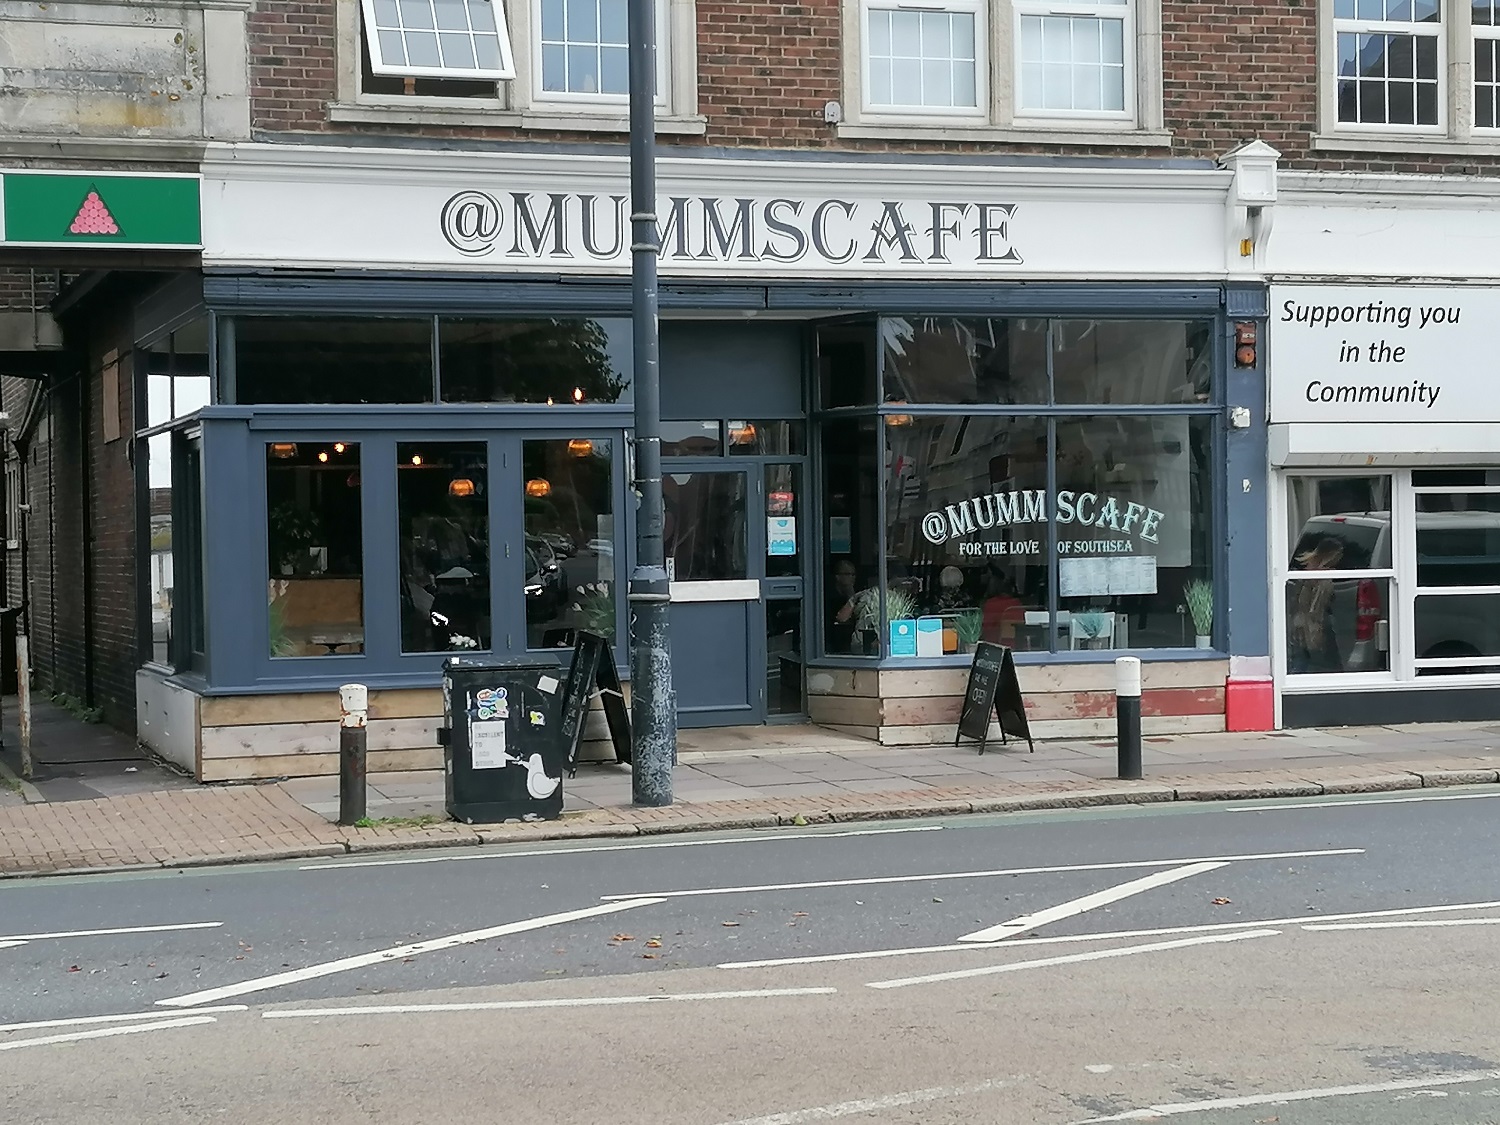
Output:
[[1311, 643]]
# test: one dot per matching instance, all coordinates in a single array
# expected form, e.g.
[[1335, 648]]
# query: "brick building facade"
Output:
[[1396, 108]]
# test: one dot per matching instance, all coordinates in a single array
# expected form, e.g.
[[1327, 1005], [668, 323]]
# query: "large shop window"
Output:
[[332, 360], [568, 497], [442, 500], [1021, 519], [553, 360], [1338, 585], [1456, 606], [315, 599], [1396, 574]]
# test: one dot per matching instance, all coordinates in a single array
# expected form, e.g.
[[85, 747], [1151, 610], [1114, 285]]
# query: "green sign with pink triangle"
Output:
[[101, 209]]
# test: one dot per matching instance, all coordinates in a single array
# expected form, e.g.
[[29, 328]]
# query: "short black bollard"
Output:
[[1128, 717], [354, 705]]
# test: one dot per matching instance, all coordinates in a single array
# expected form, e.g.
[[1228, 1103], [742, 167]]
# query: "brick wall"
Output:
[[1231, 73], [74, 604], [112, 537]]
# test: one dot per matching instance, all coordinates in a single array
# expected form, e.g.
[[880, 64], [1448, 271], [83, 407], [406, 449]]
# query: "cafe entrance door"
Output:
[[734, 558]]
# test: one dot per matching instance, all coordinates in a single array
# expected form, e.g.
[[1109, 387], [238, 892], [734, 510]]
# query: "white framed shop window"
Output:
[[1085, 72], [1409, 75], [1386, 578], [535, 64]]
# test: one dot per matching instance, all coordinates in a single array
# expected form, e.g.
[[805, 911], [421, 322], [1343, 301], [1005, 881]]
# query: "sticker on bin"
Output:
[[547, 684], [492, 703], [537, 719]]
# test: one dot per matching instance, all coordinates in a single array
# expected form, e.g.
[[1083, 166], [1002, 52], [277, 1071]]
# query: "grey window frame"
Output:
[[1072, 305]]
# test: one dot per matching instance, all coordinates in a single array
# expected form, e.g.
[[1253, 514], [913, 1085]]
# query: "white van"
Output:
[[1454, 549]]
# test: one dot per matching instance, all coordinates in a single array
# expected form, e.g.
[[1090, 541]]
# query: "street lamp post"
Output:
[[653, 704]]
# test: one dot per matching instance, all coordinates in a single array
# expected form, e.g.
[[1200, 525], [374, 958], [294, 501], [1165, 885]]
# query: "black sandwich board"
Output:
[[593, 670], [993, 689]]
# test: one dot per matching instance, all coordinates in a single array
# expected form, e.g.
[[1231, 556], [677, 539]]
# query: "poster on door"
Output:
[[781, 536]]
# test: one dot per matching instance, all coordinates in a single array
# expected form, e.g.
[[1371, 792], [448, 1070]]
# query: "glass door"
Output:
[[781, 588], [713, 560]]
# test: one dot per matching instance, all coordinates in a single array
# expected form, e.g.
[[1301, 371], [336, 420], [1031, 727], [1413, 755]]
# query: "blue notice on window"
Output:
[[904, 638]]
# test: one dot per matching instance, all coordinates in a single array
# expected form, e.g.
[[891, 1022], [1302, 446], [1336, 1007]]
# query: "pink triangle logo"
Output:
[[93, 217]]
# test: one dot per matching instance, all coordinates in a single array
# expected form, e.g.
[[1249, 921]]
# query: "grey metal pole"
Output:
[[1128, 717], [653, 703], [354, 710]]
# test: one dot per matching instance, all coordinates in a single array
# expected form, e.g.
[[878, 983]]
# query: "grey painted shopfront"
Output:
[[351, 475]]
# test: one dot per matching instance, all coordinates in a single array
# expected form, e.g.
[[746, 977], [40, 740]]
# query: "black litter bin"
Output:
[[503, 754]]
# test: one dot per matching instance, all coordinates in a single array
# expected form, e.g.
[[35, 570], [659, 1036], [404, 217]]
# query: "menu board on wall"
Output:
[[1106, 576]]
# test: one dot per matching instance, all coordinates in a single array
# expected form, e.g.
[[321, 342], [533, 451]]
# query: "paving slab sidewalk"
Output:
[[782, 783]]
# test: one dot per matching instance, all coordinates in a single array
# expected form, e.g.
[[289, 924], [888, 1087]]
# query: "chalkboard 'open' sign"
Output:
[[593, 670], [993, 690]]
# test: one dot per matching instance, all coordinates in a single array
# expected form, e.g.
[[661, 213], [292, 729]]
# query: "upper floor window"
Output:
[[438, 38], [584, 47], [1073, 57], [924, 59], [1486, 64], [1410, 73], [1390, 56], [539, 59], [1079, 66]]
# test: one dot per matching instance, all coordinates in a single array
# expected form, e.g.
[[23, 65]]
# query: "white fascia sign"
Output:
[[1383, 353], [557, 213]]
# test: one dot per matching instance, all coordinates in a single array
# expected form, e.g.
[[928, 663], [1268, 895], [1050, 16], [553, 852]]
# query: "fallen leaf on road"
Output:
[[729, 923], [654, 943], [799, 914], [162, 976], [937, 900], [650, 956], [1221, 902], [623, 937], [74, 969], [554, 972]]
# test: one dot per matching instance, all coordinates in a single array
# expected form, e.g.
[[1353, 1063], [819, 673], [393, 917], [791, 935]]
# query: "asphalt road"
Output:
[[1181, 962]]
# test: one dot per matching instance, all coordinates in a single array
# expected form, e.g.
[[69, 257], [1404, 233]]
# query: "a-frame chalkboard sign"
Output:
[[993, 690], [593, 670]]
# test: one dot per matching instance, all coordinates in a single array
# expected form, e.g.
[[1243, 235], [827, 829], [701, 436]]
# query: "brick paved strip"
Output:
[[250, 823]]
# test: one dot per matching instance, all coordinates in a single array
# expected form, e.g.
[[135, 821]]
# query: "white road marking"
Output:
[[9, 944], [107, 933], [1412, 924], [1174, 1109], [1369, 801], [869, 1105], [1126, 865], [1069, 959], [1088, 902], [766, 836], [76, 1020], [106, 1032], [909, 951], [344, 964], [561, 1002]]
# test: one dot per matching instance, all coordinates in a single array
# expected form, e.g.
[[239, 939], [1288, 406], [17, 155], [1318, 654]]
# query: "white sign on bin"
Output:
[[487, 745]]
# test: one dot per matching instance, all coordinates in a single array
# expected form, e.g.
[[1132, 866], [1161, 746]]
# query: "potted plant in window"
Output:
[[969, 625], [293, 531], [1199, 595], [899, 606]]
